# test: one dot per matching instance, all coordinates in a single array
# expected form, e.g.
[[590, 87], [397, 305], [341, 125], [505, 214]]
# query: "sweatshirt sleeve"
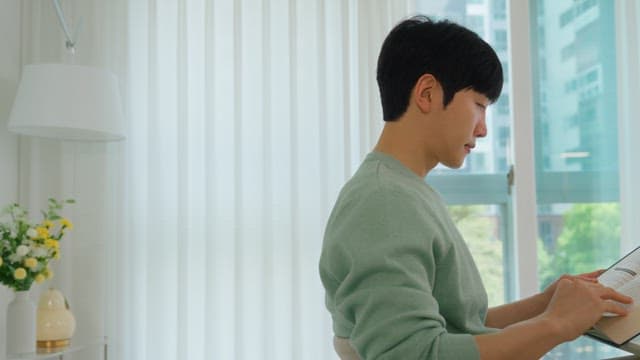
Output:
[[379, 273]]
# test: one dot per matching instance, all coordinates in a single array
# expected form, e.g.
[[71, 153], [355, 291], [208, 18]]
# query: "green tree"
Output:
[[546, 273], [478, 226], [590, 239]]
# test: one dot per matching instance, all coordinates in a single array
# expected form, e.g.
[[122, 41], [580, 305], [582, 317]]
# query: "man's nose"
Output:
[[481, 129]]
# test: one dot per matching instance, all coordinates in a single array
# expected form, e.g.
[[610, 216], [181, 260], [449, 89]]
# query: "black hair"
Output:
[[456, 56]]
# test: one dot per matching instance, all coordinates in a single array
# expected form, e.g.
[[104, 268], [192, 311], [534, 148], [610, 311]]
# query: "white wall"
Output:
[[9, 75]]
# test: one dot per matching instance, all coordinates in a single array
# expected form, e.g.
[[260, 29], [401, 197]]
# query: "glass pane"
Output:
[[488, 18], [481, 226], [575, 86], [576, 146], [576, 238]]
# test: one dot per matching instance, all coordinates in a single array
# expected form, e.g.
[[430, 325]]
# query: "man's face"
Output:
[[459, 125]]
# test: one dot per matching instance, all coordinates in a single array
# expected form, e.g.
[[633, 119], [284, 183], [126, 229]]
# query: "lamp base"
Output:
[[50, 346]]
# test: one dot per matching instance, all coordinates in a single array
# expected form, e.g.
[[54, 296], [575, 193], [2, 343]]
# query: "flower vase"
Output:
[[21, 324]]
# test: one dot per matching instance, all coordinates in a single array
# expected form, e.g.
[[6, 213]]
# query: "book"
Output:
[[624, 277]]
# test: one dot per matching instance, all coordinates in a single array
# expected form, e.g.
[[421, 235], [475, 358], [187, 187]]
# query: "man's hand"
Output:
[[591, 277], [565, 310], [576, 305]]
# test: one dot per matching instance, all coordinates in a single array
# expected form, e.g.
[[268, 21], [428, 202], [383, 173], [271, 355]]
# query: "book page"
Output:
[[624, 277], [622, 272], [631, 288], [622, 328]]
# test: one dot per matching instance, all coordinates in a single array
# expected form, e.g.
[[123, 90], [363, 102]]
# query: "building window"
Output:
[[500, 40], [499, 9]]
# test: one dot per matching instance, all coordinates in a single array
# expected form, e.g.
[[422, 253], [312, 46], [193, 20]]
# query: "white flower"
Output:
[[39, 252], [13, 235], [22, 250], [32, 233]]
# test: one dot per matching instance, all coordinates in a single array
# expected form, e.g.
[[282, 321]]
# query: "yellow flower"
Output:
[[40, 278], [43, 232], [52, 243], [48, 224], [20, 274], [0, 261], [48, 273], [31, 263], [56, 254], [66, 224]]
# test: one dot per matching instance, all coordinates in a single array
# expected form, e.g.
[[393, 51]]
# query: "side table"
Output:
[[100, 343]]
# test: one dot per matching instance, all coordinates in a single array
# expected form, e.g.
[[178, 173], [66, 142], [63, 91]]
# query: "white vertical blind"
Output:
[[245, 119]]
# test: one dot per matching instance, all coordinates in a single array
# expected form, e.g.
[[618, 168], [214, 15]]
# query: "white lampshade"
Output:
[[68, 102]]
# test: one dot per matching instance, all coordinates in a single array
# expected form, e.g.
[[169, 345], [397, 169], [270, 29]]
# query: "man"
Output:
[[400, 281]]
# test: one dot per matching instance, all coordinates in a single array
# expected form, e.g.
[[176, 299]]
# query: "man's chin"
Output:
[[453, 164]]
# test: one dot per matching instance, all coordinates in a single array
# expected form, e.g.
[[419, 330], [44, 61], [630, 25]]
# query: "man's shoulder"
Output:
[[376, 176], [382, 198], [373, 189]]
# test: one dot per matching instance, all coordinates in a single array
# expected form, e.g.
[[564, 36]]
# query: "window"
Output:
[[505, 69], [575, 11], [502, 105], [575, 145], [500, 40], [475, 23]]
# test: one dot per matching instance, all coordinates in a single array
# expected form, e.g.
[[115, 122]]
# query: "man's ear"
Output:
[[423, 92]]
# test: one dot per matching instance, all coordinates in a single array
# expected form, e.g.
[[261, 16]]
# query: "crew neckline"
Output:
[[394, 163]]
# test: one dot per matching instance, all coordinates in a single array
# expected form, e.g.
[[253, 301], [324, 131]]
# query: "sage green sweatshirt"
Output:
[[400, 281]]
